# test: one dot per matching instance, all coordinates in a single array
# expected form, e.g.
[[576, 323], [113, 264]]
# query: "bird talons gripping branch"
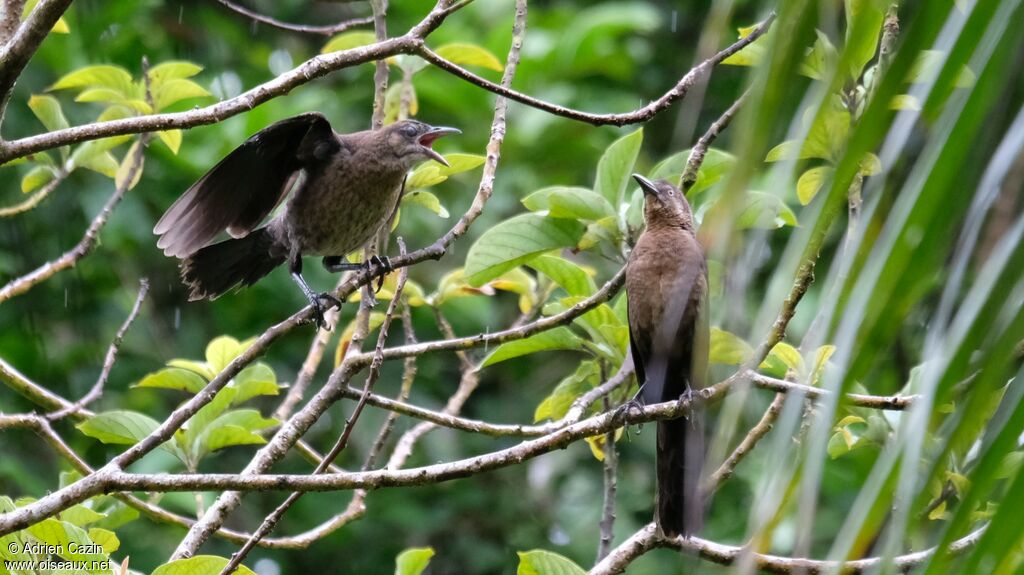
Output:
[[374, 266]]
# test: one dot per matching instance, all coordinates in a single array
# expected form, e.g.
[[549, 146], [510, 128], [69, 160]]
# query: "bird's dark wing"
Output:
[[240, 191]]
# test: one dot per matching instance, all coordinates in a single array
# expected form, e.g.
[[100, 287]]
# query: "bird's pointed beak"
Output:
[[646, 186], [430, 136]]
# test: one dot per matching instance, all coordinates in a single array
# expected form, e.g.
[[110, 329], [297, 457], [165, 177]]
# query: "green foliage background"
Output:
[[598, 57]]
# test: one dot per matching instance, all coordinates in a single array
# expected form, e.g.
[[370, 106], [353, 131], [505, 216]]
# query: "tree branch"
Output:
[[327, 30], [647, 538], [643, 114], [15, 54], [693, 163]]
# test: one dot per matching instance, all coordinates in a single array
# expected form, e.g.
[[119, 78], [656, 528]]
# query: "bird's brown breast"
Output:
[[665, 265], [344, 204]]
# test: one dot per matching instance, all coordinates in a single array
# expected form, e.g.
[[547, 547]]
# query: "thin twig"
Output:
[[647, 539], [607, 525], [693, 163], [327, 30], [621, 119], [108, 362], [726, 469], [380, 72], [16, 53]]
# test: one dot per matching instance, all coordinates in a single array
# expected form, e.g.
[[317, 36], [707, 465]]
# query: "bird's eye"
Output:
[[409, 130]]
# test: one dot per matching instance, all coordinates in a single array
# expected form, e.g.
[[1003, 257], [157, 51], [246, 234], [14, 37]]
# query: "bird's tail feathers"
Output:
[[680, 503], [215, 269]]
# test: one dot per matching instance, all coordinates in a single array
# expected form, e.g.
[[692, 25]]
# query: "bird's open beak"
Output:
[[646, 186], [427, 140]]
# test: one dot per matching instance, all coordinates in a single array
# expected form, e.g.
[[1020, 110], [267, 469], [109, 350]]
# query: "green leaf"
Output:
[[516, 241], [198, 424], [105, 76], [221, 351], [36, 178], [863, 27], [197, 366], [433, 173], [787, 355], [413, 561], [66, 537], [751, 54], [557, 338], [118, 427], [821, 357], [557, 404], [603, 230], [569, 202], [616, 165], [818, 63], [348, 40], [48, 110], [80, 515], [199, 565], [172, 139], [94, 155], [174, 378], [174, 91], [427, 200], [566, 274], [227, 436], [106, 538], [465, 54], [838, 445], [127, 165], [727, 348], [172, 70], [765, 211], [810, 183], [257, 379], [540, 562]]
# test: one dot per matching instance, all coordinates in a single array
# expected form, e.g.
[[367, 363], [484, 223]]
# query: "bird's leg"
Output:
[[634, 404], [315, 300], [335, 264]]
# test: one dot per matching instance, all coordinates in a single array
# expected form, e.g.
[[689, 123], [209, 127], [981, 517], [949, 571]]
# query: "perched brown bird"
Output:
[[666, 289], [343, 188]]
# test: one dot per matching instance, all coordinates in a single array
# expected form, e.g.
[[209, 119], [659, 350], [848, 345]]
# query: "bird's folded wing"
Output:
[[240, 191]]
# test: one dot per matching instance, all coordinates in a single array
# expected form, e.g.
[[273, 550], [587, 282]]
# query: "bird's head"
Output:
[[412, 141], [664, 204]]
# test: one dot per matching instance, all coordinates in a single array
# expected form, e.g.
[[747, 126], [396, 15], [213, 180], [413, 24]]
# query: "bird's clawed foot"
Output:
[[627, 409], [321, 303], [380, 266]]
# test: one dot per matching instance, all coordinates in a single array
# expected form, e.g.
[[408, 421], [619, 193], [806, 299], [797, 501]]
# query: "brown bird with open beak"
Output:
[[666, 288], [341, 189]]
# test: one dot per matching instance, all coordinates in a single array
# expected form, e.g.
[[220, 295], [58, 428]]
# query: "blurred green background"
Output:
[[605, 57]]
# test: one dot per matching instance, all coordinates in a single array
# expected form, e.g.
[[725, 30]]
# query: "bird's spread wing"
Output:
[[240, 191]]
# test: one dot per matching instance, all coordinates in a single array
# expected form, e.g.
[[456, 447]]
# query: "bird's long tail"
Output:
[[215, 269], [680, 454]]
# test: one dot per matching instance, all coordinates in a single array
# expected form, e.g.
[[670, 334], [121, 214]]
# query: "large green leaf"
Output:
[[766, 211], [48, 110], [863, 27], [552, 339], [715, 166], [557, 404], [466, 54], [540, 562], [104, 76], [566, 274], [348, 40], [727, 348], [516, 241], [257, 379], [174, 378], [569, 202], [118, 426], [616, 165]]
